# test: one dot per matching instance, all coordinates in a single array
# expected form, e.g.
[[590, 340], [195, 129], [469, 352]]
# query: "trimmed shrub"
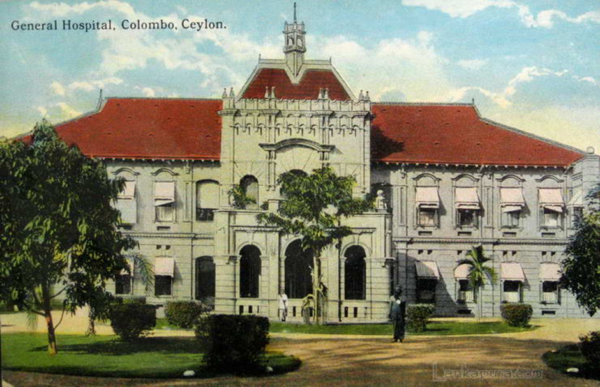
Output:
[[183, 314], [233, 342], [590, 347], [516, 315], [417, 316], [130, 300], [132, 320]]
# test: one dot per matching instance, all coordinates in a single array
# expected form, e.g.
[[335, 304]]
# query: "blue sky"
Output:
[[532, 64]]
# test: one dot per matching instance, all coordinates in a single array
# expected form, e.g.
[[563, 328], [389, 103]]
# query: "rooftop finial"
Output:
[[295, 12]]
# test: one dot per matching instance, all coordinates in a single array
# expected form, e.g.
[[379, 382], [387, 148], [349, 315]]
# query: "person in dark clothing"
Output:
[[398, 314]]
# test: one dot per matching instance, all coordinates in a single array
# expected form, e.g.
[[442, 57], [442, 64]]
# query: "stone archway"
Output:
[[298, 269]]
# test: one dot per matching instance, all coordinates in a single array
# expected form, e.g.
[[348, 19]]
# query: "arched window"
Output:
[[298, 267], [207, 200], [250, 186], [205, 280], [355, 278], [249, 272]]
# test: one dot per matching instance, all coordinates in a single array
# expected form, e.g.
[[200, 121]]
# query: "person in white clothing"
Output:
[[283, 305]]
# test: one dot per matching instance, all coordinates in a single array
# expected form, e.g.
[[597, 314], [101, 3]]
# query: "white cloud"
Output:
[[586, 79], [466, 8], [43, 111], [57, 88], [472, 64], [133, 49], [147, 91], [67, 110], [503, 97], [96, 84], [393, 69]]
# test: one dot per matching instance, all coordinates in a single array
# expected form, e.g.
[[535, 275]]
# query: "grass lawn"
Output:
[[108, 356], [436, 328], [570, 356]]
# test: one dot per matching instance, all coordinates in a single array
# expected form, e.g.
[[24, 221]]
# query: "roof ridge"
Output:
[[424, 103], [168, 98]]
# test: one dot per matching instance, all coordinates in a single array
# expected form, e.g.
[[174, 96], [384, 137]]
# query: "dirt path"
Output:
[[376, 361]]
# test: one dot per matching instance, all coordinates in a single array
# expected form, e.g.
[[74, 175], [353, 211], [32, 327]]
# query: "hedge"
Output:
[[233, 342], [132, 320], [590, 347], [417, 316], [183, 314], [516, 315]]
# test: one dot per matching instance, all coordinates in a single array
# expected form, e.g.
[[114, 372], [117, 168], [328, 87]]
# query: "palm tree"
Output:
[[478, 272]]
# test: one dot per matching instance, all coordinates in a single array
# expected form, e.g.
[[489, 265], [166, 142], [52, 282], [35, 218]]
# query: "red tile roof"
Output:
[[455, 134], [142, 128], [136, 128], [307, 88]]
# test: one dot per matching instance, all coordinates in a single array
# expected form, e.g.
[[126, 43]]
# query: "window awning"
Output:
[[427, 197], [128, 191], [511, 199], [164, 192], [467, 198], [462, 271], [577, 199], [550, 272], [164, 266], [512, 271], [131, 268], [427, 270], [551, 199]]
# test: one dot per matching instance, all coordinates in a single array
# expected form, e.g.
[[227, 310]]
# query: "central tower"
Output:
[[295, 45]]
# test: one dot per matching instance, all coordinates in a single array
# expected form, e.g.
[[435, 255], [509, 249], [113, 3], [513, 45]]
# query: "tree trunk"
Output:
[[316, 276], [480, 304], [52, 348]]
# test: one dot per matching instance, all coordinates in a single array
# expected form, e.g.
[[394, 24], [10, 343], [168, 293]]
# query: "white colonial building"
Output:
[[451, 180]]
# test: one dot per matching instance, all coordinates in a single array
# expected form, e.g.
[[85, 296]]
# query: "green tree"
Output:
[[313, 208], [478, 272], [59, 234], [581, 268]]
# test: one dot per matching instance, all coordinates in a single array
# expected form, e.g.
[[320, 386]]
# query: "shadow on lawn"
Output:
[[116, 347]]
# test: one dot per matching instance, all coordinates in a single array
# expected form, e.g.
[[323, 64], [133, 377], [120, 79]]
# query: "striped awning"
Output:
[[427, 270], [512, 271]]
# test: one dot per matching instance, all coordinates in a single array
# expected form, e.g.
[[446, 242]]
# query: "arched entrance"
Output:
[[355, 274], [249, 272], [205, 280], [298, 268]]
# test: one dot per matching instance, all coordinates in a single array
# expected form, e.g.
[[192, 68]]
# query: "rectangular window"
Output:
[[512, 291], [467, 218], [205, 214], [465, 291], [165, 213], [163, 285], [123, 284], [426, 290], [551, 218], [511, 219], [164, 201], [550, 292], [428, 217]]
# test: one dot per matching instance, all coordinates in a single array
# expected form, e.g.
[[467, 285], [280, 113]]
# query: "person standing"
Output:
[[283, 305], [398, 314]]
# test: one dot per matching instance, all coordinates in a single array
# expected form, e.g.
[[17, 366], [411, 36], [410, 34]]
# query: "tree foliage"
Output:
[[478, 271], [581, 268], [313, 207], [59, 237]]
